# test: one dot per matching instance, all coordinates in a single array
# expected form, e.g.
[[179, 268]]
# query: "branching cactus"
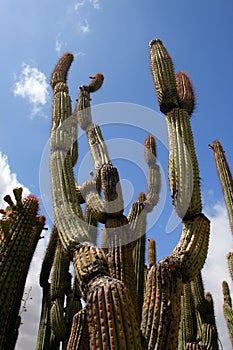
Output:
[[125, 305], [20, 229]]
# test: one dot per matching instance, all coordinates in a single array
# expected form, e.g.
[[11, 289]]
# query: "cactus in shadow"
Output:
[[127, 306], [197, 325], [20, 229]]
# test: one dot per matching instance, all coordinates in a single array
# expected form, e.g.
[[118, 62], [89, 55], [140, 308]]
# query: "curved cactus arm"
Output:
[[192, 247], [17, 249], [67, 211], [48, 258], [225, 177]]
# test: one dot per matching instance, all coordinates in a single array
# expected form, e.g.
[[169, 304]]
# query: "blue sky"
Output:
[[113, 37]]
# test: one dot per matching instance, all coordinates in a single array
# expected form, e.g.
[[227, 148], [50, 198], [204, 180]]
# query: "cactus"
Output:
[[20, 230], [226, 181], [123, 309], [225, 177]]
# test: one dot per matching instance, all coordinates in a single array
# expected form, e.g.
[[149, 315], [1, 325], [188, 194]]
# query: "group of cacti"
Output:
[[112, 300]]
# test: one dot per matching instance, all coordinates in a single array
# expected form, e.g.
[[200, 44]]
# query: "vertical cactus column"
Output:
[[226, 181], [225, 177], [161, 308], [20, 229]]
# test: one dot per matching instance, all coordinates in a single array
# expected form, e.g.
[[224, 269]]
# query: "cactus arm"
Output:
[[153, 175], [67, 210], [225, 177], [48, 258], [184, 176], [58, 289], [163, 76]]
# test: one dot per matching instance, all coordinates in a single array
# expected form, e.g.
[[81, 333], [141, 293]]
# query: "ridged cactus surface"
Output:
[[106, 296], [127, 305], [20, 229]]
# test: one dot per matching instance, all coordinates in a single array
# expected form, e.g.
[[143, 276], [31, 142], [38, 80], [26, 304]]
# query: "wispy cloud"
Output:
[[84, 26], [8, 180], [58, 44], [216, 268], [32, 86], [85, 3], [95, 4]]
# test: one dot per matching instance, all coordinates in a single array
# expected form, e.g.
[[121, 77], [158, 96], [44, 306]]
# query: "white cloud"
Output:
[[58, 44], [84, 3], [95, 4], [77, 5], [84, 27], [216, 267], [8, 181], [33, 87]]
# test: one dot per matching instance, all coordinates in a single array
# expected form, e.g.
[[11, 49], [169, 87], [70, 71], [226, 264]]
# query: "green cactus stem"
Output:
[[227, 309], [225, 177], [112, 322], [184, 175], [67, 211], [163, 76], [48, 258], [230, 263], [17, 249]]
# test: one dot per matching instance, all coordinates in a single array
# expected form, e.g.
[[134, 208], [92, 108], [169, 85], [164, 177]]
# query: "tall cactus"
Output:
[[226, 181], [225, 177], [127, 306], [20, 229]]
